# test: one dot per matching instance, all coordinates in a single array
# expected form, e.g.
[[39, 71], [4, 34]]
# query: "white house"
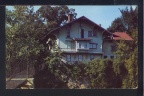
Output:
[[109, 45], [83, 40]]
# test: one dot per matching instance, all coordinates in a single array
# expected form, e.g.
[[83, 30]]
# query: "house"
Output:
[[83, 40], [109, 45]]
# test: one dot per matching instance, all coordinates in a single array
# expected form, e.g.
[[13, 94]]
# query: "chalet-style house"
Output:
[[83, 40]]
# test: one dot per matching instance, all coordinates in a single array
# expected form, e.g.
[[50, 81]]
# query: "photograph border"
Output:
[[74, 92]]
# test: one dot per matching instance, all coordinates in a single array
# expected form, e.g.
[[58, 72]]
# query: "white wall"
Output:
[[75, 33], [107, 48]]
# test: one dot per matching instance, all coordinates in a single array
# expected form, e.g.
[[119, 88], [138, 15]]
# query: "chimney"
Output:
[[99, 24], [70, 17]]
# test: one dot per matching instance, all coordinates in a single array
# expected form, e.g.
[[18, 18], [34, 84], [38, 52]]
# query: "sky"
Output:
[[103, 15]]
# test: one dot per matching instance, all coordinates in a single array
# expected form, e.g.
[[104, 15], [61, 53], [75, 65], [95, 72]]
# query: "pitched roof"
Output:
[[121, 35], [81, 18]]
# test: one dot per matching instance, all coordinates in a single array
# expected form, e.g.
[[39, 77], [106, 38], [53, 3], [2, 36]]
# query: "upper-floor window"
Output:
[[93, 45], [91, 33], [82, 45], [68, 33], [80, 57], [73, 45], [82, 33], [68, 44]]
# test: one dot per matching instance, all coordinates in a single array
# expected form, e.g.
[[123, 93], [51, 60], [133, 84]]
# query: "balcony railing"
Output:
[[75, 50], [78, 39], [84, 49], [68, 49]]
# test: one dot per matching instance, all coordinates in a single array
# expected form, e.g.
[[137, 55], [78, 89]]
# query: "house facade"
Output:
[[83, 40]]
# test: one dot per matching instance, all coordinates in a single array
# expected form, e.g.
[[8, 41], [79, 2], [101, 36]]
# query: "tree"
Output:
[[12, 25], [117, 26], [126, 63], [130, 18], [26, 28], [127, 21], [21, 36], [131, 81], [54, 16]]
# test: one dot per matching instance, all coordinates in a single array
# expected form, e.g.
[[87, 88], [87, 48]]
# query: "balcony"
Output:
[[68, 50], [75, 50], [81, 39], [83, 49]]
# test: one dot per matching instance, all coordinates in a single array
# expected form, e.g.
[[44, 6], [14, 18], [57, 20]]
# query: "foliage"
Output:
[[25, 28], [54, 16], [131, 81], [126, 64], [54, 59], [127, 21], [99, 73], [116, 26], [19, 36], [130, 18]]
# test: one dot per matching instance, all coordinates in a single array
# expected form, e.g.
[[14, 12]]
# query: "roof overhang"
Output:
[[83, 18]]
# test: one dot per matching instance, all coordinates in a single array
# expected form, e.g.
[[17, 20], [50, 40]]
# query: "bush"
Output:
[[99, 73]]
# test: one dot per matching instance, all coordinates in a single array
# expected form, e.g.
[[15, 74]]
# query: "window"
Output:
[[112, 57], [82, 33], [68, 57], [105, 57], [73, 45], [79, 45], [68, 32], [82, 45], [68, 44], [91, 57], [93, 45], [80, 57], [90, 34]]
